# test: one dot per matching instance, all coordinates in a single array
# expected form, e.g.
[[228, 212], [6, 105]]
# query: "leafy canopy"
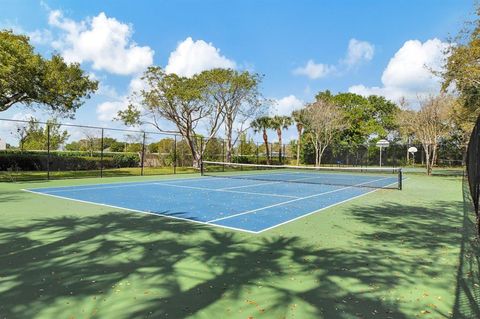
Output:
[[462, 68], [28, 78], [364, 117], [37, 137]]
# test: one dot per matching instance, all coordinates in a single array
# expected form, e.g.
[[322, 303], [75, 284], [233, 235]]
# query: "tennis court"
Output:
[[250, 198]]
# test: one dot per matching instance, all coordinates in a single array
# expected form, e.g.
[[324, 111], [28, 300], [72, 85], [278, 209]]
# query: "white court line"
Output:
[[316, 211], [195, 221], [109, 186], [291, 201], [252, 185], [225, 190], [141, 211]]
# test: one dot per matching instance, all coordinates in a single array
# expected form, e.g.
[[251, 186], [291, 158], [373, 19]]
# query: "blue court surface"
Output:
[[240, 204]]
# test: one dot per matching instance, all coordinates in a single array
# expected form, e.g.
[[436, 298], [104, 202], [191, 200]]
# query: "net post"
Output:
[[175, 154], [201, 150], [48, 151], [400, 179], [101, 156], [223, 151], [143, 153]]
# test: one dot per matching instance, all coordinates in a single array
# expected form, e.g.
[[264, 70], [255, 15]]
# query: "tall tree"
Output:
[[326, 121], [280, 123], [237, 93], [263, 124], [29, 79], [300, 119], [365, 117], [39, 137], [461, 65], [185, 102], [430, 124]]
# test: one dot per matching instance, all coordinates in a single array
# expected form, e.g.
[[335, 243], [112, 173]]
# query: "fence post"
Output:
[[101, 156], [143, 152], [223, 151], [175, 154], [400, 179], [48, 151], [256, 152], [201, 150]]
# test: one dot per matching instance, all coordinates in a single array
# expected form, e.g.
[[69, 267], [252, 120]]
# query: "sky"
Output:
[[301, 47]]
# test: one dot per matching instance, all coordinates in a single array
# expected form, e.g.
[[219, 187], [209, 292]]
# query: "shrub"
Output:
[[29, 161], [243, 159], [126, 160]]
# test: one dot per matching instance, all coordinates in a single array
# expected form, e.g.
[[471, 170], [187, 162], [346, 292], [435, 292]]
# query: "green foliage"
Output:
[[365, 117], [165, 145], [134, 147], [116, 146], [214, 150], [247, 146], [73, 146], [95, 144], [307, 153], [462, 68], [279, 122], [37, 161], [35, 137], [261, 124], [50, 82], [126, 160], [243, 159]]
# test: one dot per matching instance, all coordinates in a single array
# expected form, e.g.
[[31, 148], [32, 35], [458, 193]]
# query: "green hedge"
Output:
[[38, 162], [68, 153]]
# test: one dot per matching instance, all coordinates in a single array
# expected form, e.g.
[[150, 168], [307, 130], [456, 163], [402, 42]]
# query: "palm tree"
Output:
[[300, 119], [262, 124], [280, 123]]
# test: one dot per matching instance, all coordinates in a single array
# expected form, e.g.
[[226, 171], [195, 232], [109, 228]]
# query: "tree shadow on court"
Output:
[[9, 196], [58, 263]]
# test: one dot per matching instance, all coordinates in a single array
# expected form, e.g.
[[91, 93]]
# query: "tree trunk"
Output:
[[299, 145], [434, 155], [265, 140], [317, 154], [426, 147], [192, 144], [229, 132], [279, 133]]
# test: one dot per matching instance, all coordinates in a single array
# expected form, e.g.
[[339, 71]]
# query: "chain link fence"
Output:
[[38, 150], [31, 150]]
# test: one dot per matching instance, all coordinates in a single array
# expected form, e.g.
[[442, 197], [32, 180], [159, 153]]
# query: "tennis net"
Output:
[[372, 177]]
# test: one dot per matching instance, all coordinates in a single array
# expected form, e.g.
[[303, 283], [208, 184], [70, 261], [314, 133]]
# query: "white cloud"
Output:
[[8, 129], [358, 52], [286, 105], [192, 57], [107, 111], [40, 36], [107, 91], [137, 84], [314, 70], [408, 72], [21, 116], [103, 41]]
